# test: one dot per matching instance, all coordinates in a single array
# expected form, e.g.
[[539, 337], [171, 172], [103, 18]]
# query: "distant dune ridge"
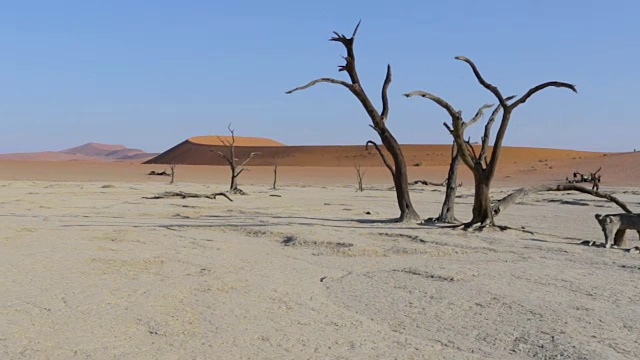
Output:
[[87, 152]]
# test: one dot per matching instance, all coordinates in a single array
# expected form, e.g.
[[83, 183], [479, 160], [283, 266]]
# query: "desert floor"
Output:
[[93, 270]]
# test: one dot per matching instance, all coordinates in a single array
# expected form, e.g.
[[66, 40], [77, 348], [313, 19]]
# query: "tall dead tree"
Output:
[[447, 213], [378, 120], [236, 169], [481, 165]]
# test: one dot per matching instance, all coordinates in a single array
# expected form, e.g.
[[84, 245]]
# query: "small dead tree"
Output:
[[236, 169], [173, 172], [447, 212], [482, 166], [360, 177], [378, 120], [275, 175]]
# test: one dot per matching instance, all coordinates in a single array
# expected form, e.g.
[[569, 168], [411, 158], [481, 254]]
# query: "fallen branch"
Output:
[[512, 198], [185, 195], [159, 173], [428, 183]]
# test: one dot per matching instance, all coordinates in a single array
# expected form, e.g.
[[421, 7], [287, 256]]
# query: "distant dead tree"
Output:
[[482, 166], [447, 212], [360, 177], [378, 120], [231, 159], [275, 175], [173, 172]]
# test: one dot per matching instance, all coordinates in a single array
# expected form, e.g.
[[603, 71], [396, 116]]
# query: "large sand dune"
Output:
[[202, 151], [95, 271]]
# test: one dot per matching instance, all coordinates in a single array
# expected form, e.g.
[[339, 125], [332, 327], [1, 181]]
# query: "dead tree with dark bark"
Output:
[[378, 120], [360, 176], [236, 167], [275, 175], [173, 172], [481, 164], [447, 213]]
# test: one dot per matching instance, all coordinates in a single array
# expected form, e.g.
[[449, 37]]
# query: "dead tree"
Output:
[[275, 175], [447, 213], [378, 120], [360, 177], [173, 172], [236, 169], [481, 165]]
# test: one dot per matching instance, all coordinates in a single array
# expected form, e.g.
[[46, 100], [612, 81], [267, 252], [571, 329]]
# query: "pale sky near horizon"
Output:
[[151, 74]]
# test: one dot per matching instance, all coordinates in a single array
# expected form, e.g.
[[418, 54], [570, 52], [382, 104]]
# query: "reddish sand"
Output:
[[617, 169]]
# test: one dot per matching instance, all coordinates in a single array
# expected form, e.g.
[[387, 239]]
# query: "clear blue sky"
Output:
[[149, 74]]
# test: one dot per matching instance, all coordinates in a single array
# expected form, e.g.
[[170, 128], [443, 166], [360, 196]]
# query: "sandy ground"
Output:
[[91, 270]]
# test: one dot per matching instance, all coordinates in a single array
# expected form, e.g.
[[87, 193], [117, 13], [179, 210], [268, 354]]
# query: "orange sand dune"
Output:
[[199, 153], [239, 141]]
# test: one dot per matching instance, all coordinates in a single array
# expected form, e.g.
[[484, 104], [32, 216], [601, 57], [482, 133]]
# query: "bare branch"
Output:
[[355, 31], [512, 198], [494, 90], [186, 195], [384, 158], [322, 80], [385, 97], [436, 99], [224, 142], [249, 158], [535, 89], [224, 156], [478, 115]]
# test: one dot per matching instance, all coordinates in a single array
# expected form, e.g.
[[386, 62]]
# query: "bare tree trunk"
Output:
[[173, 172], [400, 177], [234, 182], [447, 213], [275, 176], [360, 178], [482, 212]]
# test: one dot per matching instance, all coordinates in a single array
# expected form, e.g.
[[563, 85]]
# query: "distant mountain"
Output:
[[88, 152]]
